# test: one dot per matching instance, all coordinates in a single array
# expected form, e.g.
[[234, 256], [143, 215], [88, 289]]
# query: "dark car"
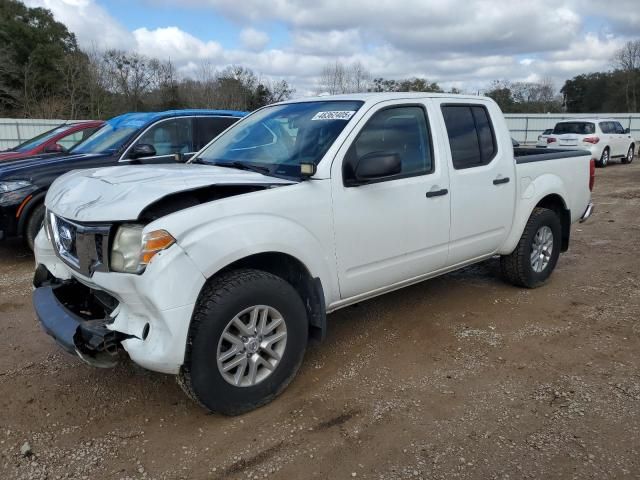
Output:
[[53, 142], [159, 137]]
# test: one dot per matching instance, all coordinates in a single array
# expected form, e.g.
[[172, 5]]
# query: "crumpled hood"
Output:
[[121, 193]]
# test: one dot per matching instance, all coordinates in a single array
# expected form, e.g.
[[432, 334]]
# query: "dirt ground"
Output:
[[458, 377]]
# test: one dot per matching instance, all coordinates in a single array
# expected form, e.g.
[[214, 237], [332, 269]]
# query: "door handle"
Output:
[[437, 193], [499, 181]]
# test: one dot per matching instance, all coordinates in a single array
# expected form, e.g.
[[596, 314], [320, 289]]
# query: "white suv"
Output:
[[604, 138]]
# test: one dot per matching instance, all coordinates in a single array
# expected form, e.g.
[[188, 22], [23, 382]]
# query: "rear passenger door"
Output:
[[482, 180], [622, 138], [208, 128]]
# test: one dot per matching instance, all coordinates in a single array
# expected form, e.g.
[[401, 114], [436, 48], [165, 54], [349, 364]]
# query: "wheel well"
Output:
[[556, 203], [36, 200], [297, 275]]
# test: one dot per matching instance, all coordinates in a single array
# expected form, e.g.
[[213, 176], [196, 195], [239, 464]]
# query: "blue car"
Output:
[[158, 137]]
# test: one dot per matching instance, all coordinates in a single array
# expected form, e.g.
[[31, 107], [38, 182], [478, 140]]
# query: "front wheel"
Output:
[[246, 342], [34, 224], [630, 154], [536, 255]]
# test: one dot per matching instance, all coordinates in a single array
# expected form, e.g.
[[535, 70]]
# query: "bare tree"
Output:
[[627, 59], [337, 78], [359, 78], [131, 76]]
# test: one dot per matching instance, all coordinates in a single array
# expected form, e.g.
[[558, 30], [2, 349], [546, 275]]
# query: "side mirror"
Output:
[[377, 165], [54, 148], [142, 150], [627, 131]]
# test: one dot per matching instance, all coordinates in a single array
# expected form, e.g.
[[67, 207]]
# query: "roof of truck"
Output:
[[383, 96]]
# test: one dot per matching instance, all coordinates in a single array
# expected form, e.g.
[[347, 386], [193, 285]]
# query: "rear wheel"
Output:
[[630, 154], [34, 224], [536, 255], [604, 158], [246, 342]]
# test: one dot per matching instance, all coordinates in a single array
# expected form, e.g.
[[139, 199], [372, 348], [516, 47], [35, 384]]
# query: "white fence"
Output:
[[525, 128], [14, 131]]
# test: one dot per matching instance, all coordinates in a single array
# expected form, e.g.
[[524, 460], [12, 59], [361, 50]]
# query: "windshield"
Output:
[[39, 140], [279, 138], [107, 139], [579, 128]]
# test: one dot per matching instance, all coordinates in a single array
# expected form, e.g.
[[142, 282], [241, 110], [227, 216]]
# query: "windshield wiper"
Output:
[[244, 166]]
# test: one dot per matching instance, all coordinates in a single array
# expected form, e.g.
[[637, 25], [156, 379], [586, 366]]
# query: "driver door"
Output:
[[392, 229]]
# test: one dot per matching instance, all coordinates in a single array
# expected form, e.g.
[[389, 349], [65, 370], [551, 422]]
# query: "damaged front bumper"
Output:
[[148, 315], [79, 328]]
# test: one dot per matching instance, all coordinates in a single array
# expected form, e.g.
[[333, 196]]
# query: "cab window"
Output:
[[399, 130], [471, 136]]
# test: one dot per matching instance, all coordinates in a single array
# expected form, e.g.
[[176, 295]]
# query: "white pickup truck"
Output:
[[221, 269]]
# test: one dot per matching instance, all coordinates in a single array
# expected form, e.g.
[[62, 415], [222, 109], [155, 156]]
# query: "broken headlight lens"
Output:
[[6, 187], [132, 250]]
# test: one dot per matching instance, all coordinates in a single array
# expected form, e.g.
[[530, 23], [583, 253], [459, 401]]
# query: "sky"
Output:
[[464, 44]]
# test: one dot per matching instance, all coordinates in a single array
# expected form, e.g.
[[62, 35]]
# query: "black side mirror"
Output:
[[377, 165], [142, 150], [54, 148], [627, 131]]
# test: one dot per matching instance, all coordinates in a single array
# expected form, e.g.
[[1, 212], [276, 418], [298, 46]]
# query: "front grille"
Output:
[[83, 247]]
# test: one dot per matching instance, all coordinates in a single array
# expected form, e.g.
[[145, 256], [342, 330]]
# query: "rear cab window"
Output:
[[471, 135]]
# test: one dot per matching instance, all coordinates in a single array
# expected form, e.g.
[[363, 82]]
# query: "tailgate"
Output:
[[568, 140]]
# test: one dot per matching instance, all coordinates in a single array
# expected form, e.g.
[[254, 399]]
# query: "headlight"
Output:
[[132, 251], [14, 192], [6, 187]]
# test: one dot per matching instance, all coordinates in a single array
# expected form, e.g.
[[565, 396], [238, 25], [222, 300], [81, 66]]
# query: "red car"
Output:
[[55, 141]]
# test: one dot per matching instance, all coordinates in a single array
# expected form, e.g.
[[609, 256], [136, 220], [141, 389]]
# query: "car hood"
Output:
[[23, 167], [121, 193]]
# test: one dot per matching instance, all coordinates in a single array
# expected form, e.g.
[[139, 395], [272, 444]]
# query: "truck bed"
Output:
[[532, 154]]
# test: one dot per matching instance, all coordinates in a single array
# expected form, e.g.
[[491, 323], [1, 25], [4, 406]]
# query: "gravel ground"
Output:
[[458, 377]]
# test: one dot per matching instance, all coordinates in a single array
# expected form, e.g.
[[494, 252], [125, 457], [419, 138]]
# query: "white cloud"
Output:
[[172, 43], [253, 39], [463, 46]]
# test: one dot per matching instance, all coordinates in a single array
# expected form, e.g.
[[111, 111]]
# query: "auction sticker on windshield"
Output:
[[334, 115]]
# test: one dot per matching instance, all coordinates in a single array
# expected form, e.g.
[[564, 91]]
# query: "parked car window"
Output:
[[578, 128], [548, 131], [208, 128], [400, 130], [75, 138], [169, 136], [619, 128], [606, 127], [39, 140], [108, 139], [471, 135]]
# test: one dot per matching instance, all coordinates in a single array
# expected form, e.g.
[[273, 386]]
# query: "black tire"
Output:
[[630, 154], [34, 224], [220, 301], [516, 267], [604, 158]]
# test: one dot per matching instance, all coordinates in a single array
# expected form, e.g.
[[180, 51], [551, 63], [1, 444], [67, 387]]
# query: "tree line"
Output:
[[45, 74]]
